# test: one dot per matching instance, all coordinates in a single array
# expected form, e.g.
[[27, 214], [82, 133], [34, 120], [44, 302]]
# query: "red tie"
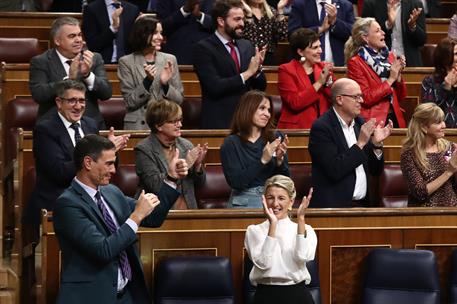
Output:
[[231, 45]]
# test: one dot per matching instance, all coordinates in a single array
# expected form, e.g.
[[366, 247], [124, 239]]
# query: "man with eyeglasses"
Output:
[[345, 150], [68, 60], [54, 140]]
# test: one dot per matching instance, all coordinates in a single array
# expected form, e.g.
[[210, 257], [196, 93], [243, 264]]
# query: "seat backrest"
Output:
[[427, 53], [301, 175], [313, 287], [393, 189], [404, 276], [126, 179], [113, 111], [214, 192], [18, 50], [21, 112], [277, 105], [194, 279], [191, 112], [453, 279]]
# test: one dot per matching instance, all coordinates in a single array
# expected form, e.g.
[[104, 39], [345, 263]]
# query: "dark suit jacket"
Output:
[[220, 83], [304, 14], [434, 8], [73, 6], [91, 253], [141, 4], [53, 152], [183, 32], [412, 40], [97, 32], [46, 70], [334, 163]]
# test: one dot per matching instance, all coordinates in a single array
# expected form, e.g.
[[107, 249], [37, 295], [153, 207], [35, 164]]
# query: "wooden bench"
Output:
[[345, 237]]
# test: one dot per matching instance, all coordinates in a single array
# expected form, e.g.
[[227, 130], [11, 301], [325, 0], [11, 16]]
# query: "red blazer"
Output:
[[301, 104], [376, 99]]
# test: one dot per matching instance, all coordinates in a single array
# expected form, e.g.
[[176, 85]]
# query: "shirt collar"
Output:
[[109, 2], [89, 190], [221, 38], [62, 58], [326, 1], [66, 123], [342, 122]]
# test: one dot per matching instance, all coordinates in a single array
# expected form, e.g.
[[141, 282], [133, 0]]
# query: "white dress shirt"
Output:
[[328, 48], [397, 36], [70, 130], [360, 189], [280, 260]]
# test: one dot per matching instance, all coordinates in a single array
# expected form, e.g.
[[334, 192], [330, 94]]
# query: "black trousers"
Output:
[[286, 294]]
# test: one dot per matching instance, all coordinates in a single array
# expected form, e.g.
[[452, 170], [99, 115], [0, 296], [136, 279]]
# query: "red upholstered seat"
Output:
[[215, 192], [18, 50], [113, 111], [126, 179], [191, 111], [301, 175], [393, 189], [427, 53]]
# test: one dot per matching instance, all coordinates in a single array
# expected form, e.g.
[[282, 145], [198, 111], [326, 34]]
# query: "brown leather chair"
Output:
[[126, 179], [113, 111], [301, 175], [393, 188], [214, 192], [191, 111], [277, 105], [18, 50], [21, 112], [427, 53]]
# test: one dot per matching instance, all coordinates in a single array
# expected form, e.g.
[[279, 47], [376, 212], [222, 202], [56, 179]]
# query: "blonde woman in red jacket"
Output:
[[304, 83], [377, 71]]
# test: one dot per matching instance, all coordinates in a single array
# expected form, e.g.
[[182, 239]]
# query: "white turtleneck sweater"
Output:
[[280, 260]]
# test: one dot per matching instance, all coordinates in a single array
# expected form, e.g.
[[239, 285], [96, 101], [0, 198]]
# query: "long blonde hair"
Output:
[[266, 10], [360, 28], [424, 115]]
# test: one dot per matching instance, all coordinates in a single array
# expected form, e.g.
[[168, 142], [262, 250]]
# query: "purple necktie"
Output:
[[125, 265], [322, 37]]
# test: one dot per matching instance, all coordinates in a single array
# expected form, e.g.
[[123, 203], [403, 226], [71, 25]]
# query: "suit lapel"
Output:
[[338, 131], [111, 199], [138, 62], [156, 149], [104, 18], [89, 202], [224, 54], [63, 136], [56, 66]]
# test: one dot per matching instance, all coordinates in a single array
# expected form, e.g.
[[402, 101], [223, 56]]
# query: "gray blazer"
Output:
[[131, 75], [46, 70], [151, 167]]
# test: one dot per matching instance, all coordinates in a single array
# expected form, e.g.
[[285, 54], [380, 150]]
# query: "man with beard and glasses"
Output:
[[226, 65]]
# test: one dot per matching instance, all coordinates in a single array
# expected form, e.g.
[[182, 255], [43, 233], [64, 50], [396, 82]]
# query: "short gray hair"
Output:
[[69, 84], [59, 22]]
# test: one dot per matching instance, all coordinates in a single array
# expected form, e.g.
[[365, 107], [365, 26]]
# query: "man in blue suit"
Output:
[[106, 27], [53, 144], [96, 227], [331, 19], [185, 22]]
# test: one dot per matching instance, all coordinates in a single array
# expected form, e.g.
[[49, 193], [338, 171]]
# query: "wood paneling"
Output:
[[345, 237]]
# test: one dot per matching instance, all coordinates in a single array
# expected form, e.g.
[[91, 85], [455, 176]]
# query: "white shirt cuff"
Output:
[[132, 224], [202, 18], [170, 183], [183, 12], [90, 81]]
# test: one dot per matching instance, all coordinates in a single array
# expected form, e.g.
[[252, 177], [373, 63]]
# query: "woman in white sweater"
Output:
[[280, 248]]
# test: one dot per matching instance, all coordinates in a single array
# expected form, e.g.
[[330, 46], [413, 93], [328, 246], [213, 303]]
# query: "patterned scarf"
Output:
[[378, 61]]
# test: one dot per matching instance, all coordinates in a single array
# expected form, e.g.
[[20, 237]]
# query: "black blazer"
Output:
[[53, 152], [412, 40], [220, 83], [334, 163], [97, 32]]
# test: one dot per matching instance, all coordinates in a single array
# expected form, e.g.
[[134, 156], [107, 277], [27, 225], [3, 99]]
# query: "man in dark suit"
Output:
[[331, 19], [403, 21], [226, 65], [106, 27], [344, 150], [432, 8], [96, 227], [185, 22], [66, 6], [68, 60], [53, 144]]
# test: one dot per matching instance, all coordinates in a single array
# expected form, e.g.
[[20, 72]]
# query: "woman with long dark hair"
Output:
[[254, 151]]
